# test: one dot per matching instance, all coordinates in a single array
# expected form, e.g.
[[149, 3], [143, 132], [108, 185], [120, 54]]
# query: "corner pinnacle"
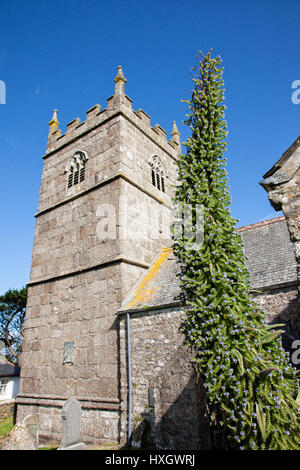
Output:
[[120, 75], [120, 81], [176, 136], [175, 131], [53, 124]]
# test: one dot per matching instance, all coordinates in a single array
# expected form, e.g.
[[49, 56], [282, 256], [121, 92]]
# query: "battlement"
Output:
[[117, 104]]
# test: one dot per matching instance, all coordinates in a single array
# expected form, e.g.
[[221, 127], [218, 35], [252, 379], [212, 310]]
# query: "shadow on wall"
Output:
[[181, 425], [172, 399], [291, 337], [16, 384]]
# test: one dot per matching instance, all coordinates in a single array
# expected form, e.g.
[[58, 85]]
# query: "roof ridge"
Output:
[[7, 362], [261, 224]]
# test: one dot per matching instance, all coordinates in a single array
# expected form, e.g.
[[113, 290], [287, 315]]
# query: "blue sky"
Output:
[[64, 54]]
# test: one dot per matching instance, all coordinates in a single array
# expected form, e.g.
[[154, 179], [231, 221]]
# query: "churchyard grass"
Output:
[[6, 426]]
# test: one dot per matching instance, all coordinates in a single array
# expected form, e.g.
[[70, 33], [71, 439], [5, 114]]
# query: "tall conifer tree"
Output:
[[252, 390]]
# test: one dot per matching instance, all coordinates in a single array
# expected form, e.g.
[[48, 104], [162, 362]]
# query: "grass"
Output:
[[106, 446], [47, 448], [6, 426]]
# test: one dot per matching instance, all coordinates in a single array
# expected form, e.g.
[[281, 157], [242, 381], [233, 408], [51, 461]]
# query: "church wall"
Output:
[[80, 309], [137, 149], [103, 149], [72, 236], [282, 305], [168, 406], [130, 276], [92, 421], [144, 224]]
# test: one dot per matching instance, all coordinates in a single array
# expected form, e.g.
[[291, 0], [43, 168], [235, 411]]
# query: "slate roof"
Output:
[[270, 256], [270, 260], [8, 370]]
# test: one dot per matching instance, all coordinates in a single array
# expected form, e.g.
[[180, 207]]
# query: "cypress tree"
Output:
[[252, 390]]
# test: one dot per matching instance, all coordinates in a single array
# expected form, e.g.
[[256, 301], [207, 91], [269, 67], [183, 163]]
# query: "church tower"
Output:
[[103, 216]]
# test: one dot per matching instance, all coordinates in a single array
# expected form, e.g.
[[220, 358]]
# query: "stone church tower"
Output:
[[103, 316], [103, 216]]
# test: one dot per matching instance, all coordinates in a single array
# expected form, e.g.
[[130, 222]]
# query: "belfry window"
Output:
[[157, 173], [76, 170]]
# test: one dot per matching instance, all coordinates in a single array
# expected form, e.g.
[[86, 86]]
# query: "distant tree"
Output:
[[12, 321], [252, 390]]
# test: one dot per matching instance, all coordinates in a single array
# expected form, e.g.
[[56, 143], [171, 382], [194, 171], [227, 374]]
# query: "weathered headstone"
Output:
[[71, 437], [19, 439], [31, 422]]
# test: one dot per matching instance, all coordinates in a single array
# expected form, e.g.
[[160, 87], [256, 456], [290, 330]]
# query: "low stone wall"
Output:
[[98, 422], [7, 408]]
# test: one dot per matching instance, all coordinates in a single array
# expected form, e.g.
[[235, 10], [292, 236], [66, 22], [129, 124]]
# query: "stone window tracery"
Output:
[[157, 173], [76, 170]]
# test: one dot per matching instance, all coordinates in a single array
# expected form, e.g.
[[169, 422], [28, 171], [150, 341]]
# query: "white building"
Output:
[[9, 381]]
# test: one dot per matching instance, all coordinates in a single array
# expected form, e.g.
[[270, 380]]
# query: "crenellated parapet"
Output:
[[117, 104]]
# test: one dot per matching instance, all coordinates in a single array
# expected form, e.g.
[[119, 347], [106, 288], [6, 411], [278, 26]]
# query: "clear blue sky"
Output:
[[64, 54]]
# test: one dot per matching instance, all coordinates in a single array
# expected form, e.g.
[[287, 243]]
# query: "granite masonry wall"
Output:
[[168, 404], [7, 409], [59, 313]]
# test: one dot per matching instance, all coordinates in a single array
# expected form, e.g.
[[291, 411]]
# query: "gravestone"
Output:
[[31, 422], [71, 437], [19, 439]]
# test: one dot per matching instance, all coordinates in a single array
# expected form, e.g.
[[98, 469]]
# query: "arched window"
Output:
[[76, 170], [157, 173]]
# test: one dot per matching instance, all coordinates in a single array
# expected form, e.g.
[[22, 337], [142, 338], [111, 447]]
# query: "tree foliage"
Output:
[[12, 321], [252, 390]]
